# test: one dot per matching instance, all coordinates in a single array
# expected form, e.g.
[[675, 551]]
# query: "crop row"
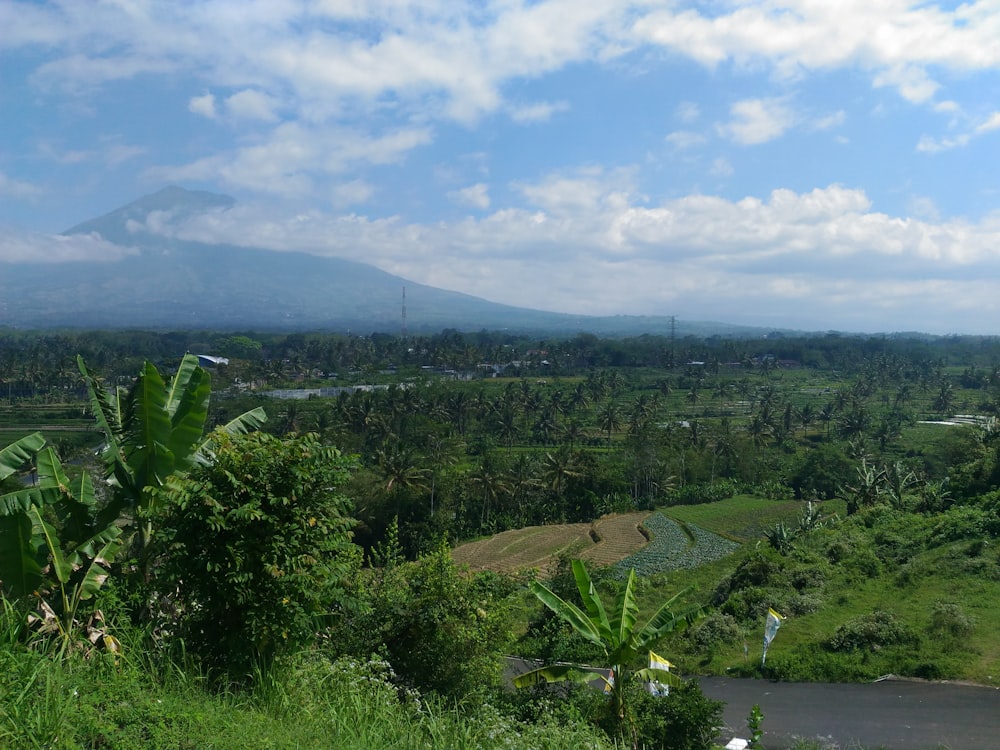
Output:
[[673, 548]]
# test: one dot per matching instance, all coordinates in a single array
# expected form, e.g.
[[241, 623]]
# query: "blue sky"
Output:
[[809, 163]]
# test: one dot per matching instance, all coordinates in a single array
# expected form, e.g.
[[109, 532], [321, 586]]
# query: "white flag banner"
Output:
[[658, 662], [770, 628]]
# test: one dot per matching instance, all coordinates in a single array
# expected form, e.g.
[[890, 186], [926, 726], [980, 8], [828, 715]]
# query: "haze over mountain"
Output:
[[153, 279]]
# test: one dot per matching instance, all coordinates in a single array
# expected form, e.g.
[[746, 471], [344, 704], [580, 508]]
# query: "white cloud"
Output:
[[700, 255], [829, 122], [896, 41], [18, 246], [288, 159], [18, 188], [990, 123], [688, 111], [476, 196], [252, 105], [203, 105], [540, 112], [758, 121], [721, 167], [351, 193], [931, 145], [683, 140]]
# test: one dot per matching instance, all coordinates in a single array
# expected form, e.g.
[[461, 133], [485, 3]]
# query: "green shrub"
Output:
[[257, 548], [716, 630], [871, 632], [442, 631], [683, 720], [950, 622]]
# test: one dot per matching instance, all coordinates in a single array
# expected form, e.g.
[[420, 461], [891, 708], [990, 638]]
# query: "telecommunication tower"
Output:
[[404, 313]]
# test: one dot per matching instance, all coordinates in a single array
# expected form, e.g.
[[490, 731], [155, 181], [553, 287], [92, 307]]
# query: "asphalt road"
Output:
[[892, 714]]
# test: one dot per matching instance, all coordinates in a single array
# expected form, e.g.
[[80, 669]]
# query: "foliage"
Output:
[[686, 719], [622, 641], [152, 432], [950, 622], [257, 546], [871, 632], [822, 473], [57, 567], [441, 630], [714, 631], [754, 721]]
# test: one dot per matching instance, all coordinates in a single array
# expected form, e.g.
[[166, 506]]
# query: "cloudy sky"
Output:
[[815, 164]]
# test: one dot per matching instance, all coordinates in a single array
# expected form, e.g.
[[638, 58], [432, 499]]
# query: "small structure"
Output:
[[208, 360]]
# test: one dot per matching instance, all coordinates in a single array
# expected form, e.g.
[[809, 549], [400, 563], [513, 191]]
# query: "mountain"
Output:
[[168, 283]]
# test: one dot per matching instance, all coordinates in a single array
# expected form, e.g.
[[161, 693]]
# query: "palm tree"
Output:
[[488, 477], [558, 467], [609, 419], [401, 472]]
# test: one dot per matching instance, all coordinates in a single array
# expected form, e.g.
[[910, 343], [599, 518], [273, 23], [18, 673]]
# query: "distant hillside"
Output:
[[174, 284]]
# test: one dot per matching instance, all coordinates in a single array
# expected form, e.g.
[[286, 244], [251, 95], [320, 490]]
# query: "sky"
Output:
[[808, 164]]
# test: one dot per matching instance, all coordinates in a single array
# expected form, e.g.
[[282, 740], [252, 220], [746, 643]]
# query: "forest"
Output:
[[301, 510]]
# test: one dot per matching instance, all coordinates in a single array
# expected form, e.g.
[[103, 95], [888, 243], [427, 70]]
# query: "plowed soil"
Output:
[[538, 547]]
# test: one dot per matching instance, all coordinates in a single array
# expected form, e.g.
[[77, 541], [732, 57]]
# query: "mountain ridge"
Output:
[[171, 283]]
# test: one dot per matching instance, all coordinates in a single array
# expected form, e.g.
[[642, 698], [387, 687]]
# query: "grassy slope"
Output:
[[908, 579]]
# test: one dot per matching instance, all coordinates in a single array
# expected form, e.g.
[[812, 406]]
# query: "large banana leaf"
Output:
[[188, 377], [75, 509], [663, 621], [658, 675], [570, 613], [591, 600], [21, 557], [61, 566], [624, 614], [15, 455], [556, 673], [245, 422], [95, 556], [188, 411], [51, 485], [146, 431]]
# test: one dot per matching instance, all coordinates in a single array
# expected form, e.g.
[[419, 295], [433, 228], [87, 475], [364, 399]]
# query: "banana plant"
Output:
[[64, 564], [154, 430], [616, 633]]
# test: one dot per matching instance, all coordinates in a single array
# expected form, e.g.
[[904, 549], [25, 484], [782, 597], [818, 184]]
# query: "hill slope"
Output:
[[169, 283]]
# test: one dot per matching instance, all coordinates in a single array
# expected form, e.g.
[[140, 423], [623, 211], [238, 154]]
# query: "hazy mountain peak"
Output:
[[119, 226]]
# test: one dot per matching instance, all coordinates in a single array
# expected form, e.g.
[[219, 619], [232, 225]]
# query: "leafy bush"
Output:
[[964, 522], [871, 632], [257, 547], [442, 631], [950, 622], [683, 720], [718, 629]]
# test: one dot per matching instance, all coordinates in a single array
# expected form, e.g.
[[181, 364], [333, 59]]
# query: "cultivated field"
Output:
[[614, 538]]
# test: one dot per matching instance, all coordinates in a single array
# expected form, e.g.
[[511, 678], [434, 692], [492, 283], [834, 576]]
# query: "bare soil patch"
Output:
[[539, 547]]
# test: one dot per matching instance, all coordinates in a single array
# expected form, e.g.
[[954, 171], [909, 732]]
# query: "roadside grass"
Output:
[[99, 702]]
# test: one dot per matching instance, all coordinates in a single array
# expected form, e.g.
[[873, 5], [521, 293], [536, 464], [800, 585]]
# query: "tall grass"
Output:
[[145, 697]]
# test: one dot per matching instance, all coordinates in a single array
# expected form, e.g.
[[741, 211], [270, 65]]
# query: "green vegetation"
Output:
[[214, 571], [620, 638]]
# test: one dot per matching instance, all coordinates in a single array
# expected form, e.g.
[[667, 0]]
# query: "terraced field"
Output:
[[619, 538], [540, 546]]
